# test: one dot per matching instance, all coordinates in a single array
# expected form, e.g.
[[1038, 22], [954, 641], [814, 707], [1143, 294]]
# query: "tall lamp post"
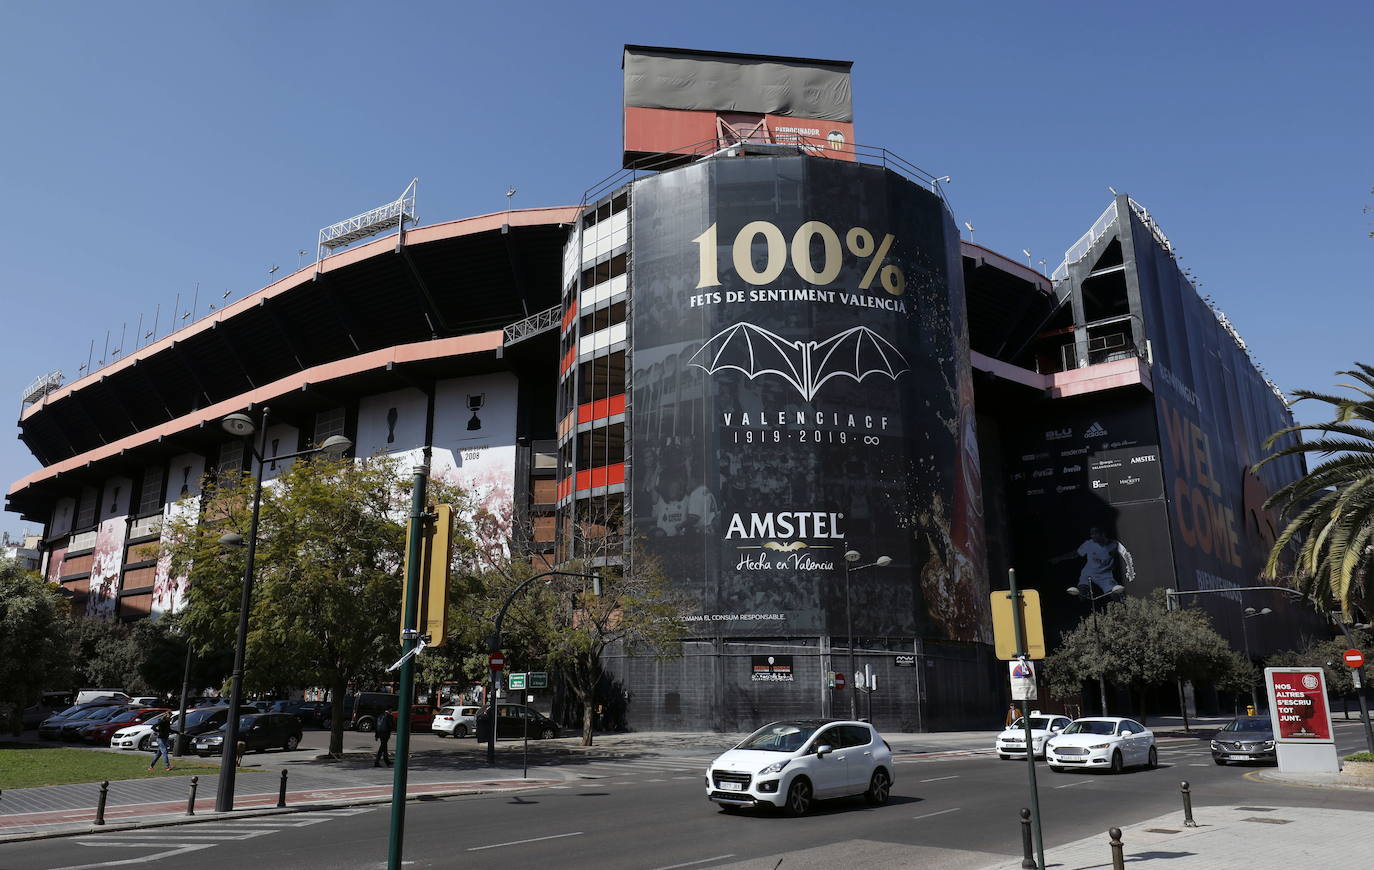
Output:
[[496, 645], [1251, 613], [244, 427], [850, 557], [1097, 635]]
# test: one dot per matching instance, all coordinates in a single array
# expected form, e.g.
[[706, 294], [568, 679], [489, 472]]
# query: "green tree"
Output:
[[1326, 544], [326, 599], [35, 630], [1144, 647], [1328, 655]]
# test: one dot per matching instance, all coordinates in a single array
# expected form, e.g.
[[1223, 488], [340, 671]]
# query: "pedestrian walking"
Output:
[[162, 732], [1011, 715], [383, 736]]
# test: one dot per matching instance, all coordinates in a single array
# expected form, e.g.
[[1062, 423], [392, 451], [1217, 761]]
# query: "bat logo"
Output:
[[785, 548], [806, 365]]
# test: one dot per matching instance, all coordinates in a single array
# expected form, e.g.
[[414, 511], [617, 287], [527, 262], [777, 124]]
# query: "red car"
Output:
[[100, 733], [421, 718]]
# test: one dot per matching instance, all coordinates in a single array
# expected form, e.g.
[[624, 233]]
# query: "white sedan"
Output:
[[1102, 742], [1012, 742], [791, 764], [138, 736]]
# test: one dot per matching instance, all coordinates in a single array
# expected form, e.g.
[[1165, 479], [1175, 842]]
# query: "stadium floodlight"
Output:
[[370, 223]]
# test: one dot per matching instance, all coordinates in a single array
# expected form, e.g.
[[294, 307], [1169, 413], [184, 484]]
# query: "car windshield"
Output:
[[195, 717], [127, 716], [246, 722], [780, 737], [1038, 723], [1247, 723], [1091, 727]]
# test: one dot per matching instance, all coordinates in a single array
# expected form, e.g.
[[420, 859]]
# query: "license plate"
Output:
[[732, 786]]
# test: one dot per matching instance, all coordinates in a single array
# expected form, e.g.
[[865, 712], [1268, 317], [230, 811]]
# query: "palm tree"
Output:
[[1330, 510]]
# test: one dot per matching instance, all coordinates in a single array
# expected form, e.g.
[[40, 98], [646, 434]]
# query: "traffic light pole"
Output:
[[1022, 654], [410, 637]]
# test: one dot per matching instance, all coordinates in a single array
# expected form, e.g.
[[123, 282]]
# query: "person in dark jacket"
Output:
[[162, 732], [383, 737]]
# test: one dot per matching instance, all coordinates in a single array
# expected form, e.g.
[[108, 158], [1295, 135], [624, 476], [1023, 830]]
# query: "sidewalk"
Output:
[[1227, 838]]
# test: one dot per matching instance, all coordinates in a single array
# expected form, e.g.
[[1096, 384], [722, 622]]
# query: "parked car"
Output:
[[1245, 738], [455, 721], [1012, 741], [71, 727], [100, 733], [1102, 742], [791, 764], [309, 712], [361, 710], [145, 701], [258, 731], [85, 696], [140, 735], [516, 720], [204, 719], [49, 728]]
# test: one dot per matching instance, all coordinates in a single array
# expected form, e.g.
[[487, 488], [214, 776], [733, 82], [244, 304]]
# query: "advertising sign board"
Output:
[[771, 669], [1301, 719]]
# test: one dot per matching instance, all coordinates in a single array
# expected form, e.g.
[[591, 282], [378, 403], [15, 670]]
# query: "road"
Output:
[[954, 811]]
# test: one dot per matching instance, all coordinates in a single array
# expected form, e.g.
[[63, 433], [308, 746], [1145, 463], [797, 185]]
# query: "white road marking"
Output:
[[938, 778], [655, 780], [1071, 784], [144, 859], [940, 813], [530, 840], [694, 863], [686, 777]]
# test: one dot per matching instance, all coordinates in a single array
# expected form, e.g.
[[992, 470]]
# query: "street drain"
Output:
[[1270, 821], [1257, 809], [1160, 831]]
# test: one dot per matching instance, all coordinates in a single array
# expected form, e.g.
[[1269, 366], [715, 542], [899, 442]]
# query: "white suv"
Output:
[[791, 764], [455, 721]]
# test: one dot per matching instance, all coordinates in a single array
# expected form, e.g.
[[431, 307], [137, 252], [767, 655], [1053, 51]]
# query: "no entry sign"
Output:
[[1354, 658], [497, 661], [839, 681]]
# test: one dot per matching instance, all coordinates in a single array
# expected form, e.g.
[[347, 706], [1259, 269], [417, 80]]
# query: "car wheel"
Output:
[[146, 744], [1116, 762], [291, 743], [460, 730], [1153, 761], [879, 787], [366, 724], [798, 798]]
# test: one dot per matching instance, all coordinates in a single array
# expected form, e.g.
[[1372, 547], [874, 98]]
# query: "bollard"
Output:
[[281, 793], [1027, 857], [1118, 860], [100, 807], [191, 801], [1187, 805]]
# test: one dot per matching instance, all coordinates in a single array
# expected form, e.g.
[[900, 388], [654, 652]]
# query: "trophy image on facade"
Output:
[[475, 403]]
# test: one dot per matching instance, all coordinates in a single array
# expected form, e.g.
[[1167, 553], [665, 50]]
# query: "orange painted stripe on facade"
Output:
[[564, 488], [565, 425], [601, 408], [568, 359], [570, 315], [607, 475]]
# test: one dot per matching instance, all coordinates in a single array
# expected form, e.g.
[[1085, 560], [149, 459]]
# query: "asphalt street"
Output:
[[649, 813]]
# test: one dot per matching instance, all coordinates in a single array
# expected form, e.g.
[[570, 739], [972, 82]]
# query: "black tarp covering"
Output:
[[777, 418], [668, 78]]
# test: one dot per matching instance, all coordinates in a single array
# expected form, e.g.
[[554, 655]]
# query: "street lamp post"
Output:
[[850, 557], [243, 426], [496, 644], [1097, 635], [1251, 613]]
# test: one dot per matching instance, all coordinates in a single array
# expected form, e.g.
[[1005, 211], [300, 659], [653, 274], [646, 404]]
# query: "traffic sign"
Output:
[[839, 681], [1004, 625], [436, 552], [539, 679], [496, 661], [517, 681], [1354, 658]]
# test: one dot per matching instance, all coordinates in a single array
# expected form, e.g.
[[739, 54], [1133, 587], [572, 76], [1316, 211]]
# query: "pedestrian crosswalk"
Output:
[[170, 844]]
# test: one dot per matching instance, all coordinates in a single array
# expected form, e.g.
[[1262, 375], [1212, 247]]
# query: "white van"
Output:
[[85, 696]]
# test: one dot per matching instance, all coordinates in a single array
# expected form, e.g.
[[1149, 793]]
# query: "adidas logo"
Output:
[[1095, 431]]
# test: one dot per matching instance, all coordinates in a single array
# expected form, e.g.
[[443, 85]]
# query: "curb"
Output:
[[167, 821], [1259, 776]]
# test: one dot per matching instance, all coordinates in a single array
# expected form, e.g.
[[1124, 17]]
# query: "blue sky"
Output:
[[153, 146]]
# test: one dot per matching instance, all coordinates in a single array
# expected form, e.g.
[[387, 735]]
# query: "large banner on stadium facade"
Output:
[[800, 385]]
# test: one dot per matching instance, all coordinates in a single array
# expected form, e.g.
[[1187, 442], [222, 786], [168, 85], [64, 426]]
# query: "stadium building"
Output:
[[758, 348]]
